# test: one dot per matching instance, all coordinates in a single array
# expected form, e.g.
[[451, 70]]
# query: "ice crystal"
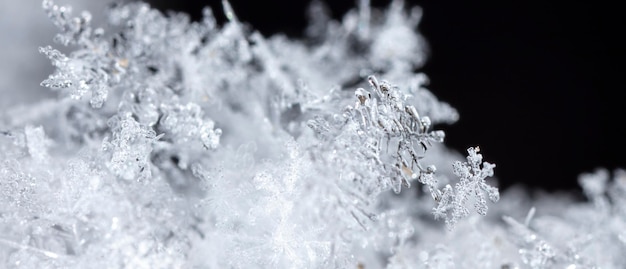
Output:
[[180, 144], [185, 124], [130, 147], [393, 136], [472, 185], [87, 71]]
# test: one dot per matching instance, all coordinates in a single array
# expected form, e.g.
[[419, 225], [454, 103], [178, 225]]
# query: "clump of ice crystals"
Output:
[[179, 144]]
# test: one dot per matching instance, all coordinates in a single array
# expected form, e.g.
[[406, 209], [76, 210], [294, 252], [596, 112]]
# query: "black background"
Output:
[[539, 86]]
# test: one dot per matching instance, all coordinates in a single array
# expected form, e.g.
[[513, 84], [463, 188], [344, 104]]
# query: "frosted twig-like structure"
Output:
[[178, 144]]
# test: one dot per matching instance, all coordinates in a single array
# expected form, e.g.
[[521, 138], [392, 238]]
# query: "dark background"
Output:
[[539, 86]]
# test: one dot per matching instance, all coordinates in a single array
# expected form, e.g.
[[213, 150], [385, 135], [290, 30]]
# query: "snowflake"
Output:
[[453, 201]]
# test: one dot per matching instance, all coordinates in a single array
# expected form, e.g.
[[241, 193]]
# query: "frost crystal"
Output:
[[87, 71], [392, 136], [180, 144], [185, 123], [472, 186], [130, 147]]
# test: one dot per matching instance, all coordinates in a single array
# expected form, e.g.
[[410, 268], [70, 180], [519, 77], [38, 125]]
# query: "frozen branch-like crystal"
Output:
[[389, 135], [74, 31], [86, 71]]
